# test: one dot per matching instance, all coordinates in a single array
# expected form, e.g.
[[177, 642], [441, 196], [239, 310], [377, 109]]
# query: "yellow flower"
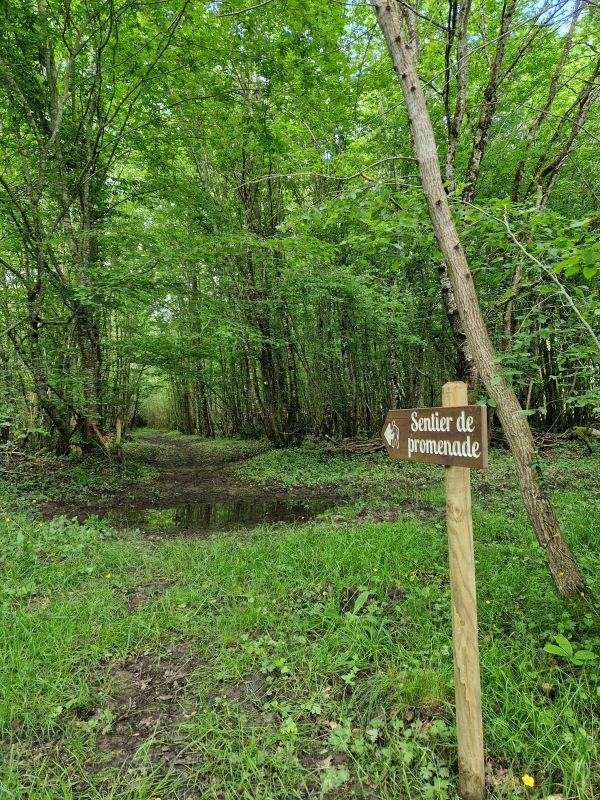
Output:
[[528, 780], [582, 594], [108, 575], [375, 569], [487, 602], [34, 501], [561, 573], [7, 519]]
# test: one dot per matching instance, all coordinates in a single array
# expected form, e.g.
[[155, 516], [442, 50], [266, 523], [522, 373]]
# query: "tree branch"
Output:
[[244, 10], [552, 275], [359, 174]]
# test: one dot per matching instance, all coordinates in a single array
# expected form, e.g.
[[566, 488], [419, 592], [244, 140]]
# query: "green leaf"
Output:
[[562, 265], [360, 601], [334, 777], [372, 733], [589, 272], [584, 655], [288, 727], [561, 641], [555, 650]]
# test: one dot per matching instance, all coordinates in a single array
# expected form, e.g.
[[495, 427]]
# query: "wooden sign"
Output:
[[452, 436]]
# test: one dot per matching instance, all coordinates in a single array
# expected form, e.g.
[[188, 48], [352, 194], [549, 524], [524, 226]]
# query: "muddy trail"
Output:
[[144, 702], [196, 492]]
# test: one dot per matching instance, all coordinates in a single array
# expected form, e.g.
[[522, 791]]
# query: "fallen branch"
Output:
[[360, 445]]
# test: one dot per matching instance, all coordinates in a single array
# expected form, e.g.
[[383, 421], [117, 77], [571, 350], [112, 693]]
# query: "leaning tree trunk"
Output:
[[466, 368], [541, 514]]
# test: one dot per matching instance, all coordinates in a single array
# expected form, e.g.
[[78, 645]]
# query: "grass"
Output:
[[45, 477], [317, 657]]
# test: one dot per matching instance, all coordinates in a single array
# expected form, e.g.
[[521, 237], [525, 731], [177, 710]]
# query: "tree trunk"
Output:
[[206, 426], [541, 515], [488, 105], [457, 27], [552, 90], [89, 351], [467, 369]]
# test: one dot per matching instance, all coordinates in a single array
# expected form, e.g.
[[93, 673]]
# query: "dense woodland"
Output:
[[212, 219], [233, 235]]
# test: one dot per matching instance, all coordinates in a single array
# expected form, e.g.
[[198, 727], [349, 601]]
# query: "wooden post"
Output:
[[467, 687]]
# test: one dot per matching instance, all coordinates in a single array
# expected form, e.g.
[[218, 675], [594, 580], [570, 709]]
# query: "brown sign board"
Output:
[[452, 436]]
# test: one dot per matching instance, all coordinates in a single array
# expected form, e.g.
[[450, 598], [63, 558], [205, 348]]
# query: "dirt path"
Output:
[[196, 490], [189, 472]]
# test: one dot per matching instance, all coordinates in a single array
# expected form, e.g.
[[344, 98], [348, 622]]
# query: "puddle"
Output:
[[219, 515]]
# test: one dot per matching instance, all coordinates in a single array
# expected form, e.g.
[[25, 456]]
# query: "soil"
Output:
[[143, 705], [408, 507], [145, 592], [146, 705]]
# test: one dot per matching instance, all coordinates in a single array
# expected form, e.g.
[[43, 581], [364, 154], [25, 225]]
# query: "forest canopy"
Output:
[[212, 219]]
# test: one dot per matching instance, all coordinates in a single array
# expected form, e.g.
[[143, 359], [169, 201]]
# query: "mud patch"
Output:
[[146, 705], [215, 516], [146, 592], [196, 492], [409, 507], [249, 696], [134, 733]]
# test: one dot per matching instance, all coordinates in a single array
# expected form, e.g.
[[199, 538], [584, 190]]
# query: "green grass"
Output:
[[318, 656], [40, 477]]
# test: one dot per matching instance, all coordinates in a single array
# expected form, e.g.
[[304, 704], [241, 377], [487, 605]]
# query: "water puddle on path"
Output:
[[219, 515]]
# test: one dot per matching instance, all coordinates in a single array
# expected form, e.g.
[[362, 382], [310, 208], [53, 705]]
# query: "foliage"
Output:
[[243, 235]]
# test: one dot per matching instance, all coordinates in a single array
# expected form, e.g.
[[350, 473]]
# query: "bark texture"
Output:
[[467, 369], [458, 18], [542, 517]]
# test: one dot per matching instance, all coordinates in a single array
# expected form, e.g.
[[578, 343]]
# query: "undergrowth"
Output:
[[318, 657]]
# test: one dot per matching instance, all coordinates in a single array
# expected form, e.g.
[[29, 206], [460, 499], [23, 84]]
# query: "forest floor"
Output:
[[218, 619]]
